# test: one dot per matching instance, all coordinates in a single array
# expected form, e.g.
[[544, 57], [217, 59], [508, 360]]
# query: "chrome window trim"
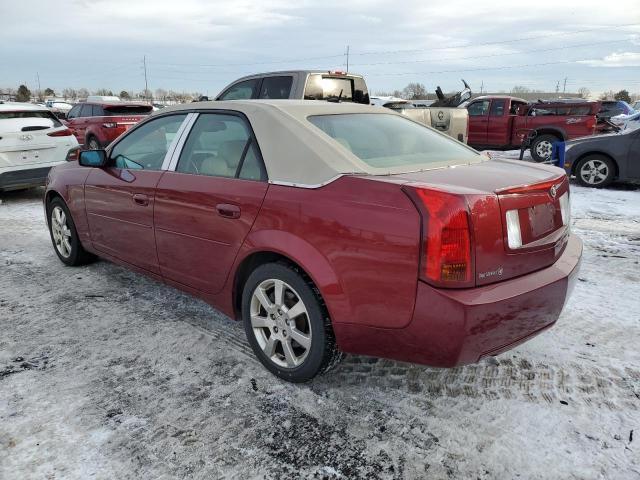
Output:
[[306, 185], [172, 160]]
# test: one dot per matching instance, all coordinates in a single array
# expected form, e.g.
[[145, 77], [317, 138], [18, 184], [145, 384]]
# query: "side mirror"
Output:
[[93, 158]]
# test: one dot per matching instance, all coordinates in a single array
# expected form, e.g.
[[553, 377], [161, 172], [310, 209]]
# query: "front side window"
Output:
[[276, 87], [478, 109], [241, 91], [146, 146], [220, 145], [387, 141], [73, 113]]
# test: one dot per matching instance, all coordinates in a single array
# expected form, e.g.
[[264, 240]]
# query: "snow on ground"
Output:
[[107, 374]]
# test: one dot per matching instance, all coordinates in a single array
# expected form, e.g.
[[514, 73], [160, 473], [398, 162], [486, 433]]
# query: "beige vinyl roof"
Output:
[[294, 150]]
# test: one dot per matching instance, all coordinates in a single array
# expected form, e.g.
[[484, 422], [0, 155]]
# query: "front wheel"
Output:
[[595, 171], [286, 323], [542, 147], [64, 235]]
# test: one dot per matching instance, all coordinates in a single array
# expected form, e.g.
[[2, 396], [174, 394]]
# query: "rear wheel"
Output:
[[542, 147], [64, 235], [287, 324], [595, 171]]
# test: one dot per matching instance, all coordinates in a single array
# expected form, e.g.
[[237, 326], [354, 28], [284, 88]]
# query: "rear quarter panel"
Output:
[[357, 239]]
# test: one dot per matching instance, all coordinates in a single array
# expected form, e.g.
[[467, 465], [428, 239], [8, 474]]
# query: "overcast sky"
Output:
[[199, 45]]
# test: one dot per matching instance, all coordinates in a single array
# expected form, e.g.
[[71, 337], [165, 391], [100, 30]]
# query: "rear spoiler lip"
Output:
[[537, 187]]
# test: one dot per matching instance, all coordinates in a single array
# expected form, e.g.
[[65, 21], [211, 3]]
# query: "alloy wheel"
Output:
[[61, 232], [544, 149], [280, 323], [594, 172]]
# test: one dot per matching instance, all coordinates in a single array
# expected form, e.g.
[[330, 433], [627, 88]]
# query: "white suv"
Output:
[[32, 140]]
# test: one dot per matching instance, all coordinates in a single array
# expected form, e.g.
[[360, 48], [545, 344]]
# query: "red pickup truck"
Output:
[[503, 123]]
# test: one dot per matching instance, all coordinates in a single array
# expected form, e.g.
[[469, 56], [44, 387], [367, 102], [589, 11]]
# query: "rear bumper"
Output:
[[23, 178], [457, 327]]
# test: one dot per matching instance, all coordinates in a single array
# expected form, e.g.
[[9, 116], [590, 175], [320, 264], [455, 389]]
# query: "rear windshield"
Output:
[[387, 141], [119, 110], [27, 121], [326, 87]]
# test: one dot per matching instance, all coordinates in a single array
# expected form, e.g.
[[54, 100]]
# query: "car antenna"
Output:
[[338, 99]]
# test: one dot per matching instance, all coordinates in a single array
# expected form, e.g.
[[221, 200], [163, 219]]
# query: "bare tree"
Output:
[[83, 93], [70, 93], [103, 92], [584, 92], [520, 89], [414, 91], [161, 94], [607, 95]]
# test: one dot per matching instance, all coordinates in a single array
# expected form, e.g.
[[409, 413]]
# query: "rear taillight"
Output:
[[591, 122], [110, 125], [65, 132], [446, 258]]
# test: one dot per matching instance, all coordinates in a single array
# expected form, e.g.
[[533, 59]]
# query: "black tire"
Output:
[[601, 171], [93, 143], [541, 147], [77, 255], [323, 353]]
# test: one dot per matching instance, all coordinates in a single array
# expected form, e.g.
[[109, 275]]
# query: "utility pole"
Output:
[[347, 58], [481, 87], [564, 87], [146, 85], [558, 86], [39, 89]]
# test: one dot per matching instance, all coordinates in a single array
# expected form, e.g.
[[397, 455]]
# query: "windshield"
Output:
[[387, 141]]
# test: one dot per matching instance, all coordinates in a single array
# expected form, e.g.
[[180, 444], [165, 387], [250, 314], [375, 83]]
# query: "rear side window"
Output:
[[276, 87], [123, 110], [86, 111], [581, 110], [220, 145], [241, 91], [387, 141], [478, 109], [497, 108], [27, 121], [97, 111]]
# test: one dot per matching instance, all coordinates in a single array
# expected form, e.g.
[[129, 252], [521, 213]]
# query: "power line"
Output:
[[500, 42], [592, 44]]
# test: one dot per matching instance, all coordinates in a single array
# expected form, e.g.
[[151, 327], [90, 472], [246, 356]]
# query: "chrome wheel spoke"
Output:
[[302, 339], [296, 310], [261, 322], [278, 293], [263, 299], [289, 355], [61, 233], [270, 346]]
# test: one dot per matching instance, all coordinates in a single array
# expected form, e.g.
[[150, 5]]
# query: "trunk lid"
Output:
[[515, 212], [24, 138]]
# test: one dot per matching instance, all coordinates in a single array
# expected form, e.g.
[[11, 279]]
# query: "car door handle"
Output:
[[141, 199], [228, 211]]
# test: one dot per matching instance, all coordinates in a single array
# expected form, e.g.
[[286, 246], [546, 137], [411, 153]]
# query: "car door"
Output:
[[119, 198], [81, 122], [277, 87], [498, 131], [633, 157], [478, 122], [207, 202]]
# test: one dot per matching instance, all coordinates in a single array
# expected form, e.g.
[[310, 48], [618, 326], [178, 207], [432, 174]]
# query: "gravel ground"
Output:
[[107, 374]]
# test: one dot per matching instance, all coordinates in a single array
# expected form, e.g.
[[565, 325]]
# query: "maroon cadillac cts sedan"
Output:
[[328, 229]]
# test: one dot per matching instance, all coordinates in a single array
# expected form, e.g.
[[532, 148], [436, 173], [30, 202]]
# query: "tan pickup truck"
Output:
[[338, 86]]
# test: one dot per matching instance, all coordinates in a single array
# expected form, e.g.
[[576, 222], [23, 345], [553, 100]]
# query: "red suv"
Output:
[[96, 125]]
